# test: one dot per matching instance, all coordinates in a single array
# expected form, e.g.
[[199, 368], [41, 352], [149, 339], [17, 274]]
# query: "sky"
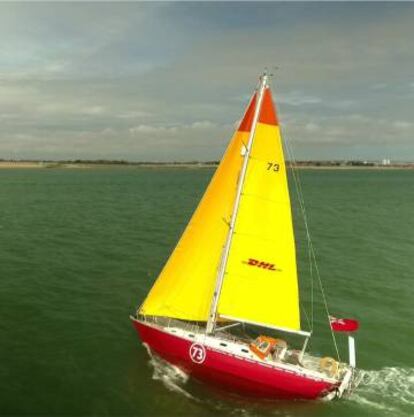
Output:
[[169, 81]]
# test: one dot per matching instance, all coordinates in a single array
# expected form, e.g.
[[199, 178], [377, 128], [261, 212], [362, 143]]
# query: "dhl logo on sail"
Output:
[[261, 264]]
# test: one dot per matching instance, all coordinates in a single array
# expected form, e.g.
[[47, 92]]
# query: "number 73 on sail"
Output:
[[227, 300]]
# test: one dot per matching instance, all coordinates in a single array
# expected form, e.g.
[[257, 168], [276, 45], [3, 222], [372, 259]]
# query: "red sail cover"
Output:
[[343, 325]]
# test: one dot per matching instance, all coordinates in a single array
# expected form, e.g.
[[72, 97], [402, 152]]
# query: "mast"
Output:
[[211, 323]]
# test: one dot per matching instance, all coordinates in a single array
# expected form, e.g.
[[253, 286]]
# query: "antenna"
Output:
[[274, 69], [269, 74]]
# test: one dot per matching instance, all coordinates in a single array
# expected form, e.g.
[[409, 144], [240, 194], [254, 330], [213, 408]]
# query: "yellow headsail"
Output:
[[260, 279], [184, 288]]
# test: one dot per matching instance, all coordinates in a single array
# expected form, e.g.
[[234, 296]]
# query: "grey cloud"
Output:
[[159, 81]]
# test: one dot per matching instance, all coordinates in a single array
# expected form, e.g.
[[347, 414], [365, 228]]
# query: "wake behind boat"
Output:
[[228, 296]]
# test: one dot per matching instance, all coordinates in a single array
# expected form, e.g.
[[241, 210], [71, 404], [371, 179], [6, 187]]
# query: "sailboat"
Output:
[[227, 298]]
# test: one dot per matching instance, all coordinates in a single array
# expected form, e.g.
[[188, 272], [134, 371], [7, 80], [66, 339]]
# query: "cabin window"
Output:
[[263, 346], [191, 335], [245, 350], [223, 344]]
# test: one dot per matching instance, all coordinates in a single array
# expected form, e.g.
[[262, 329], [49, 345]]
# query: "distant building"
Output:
[[386, 162]]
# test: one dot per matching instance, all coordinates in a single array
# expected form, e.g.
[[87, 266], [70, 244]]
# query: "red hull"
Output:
[[230, 371]]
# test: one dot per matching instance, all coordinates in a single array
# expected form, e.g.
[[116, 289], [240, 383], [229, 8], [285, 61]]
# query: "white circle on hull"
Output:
[[197, 353]]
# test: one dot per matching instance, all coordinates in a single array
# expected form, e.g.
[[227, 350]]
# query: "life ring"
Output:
[[329, 365]]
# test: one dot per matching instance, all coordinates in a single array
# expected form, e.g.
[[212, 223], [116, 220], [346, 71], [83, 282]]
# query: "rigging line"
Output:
[[311, 250], [303, 211], [325, 302], [324, 298], [310, 243], [308, 238], [301, 199], [312, 289], [306, 316]]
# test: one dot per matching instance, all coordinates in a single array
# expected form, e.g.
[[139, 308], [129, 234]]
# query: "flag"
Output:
[[343, 325]]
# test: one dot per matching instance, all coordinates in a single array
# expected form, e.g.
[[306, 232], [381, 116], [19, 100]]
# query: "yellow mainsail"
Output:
[[260, 279], [184, 288]]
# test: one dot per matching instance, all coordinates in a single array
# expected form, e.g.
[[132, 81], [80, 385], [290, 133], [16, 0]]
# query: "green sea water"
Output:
[[79, 250]]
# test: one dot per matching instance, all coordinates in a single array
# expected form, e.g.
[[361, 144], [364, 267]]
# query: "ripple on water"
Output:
[[389, 389], [387, 392]]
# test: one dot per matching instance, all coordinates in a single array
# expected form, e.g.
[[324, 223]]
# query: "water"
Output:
[[79, 250]]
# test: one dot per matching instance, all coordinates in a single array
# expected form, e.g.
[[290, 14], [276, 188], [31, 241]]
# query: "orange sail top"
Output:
[[246, 123], [268, 111]]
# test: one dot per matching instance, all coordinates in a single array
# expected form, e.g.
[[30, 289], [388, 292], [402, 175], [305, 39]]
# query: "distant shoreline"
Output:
[[100, 164], [322, 165]]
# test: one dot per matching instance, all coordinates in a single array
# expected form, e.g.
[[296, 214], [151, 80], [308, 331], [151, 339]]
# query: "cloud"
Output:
[[153, 130], [172, 130], [349, 132], [133, 114], [203, 124], [296, 98], [379, 86], [159, 80], [312, 127], [401, 124]]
